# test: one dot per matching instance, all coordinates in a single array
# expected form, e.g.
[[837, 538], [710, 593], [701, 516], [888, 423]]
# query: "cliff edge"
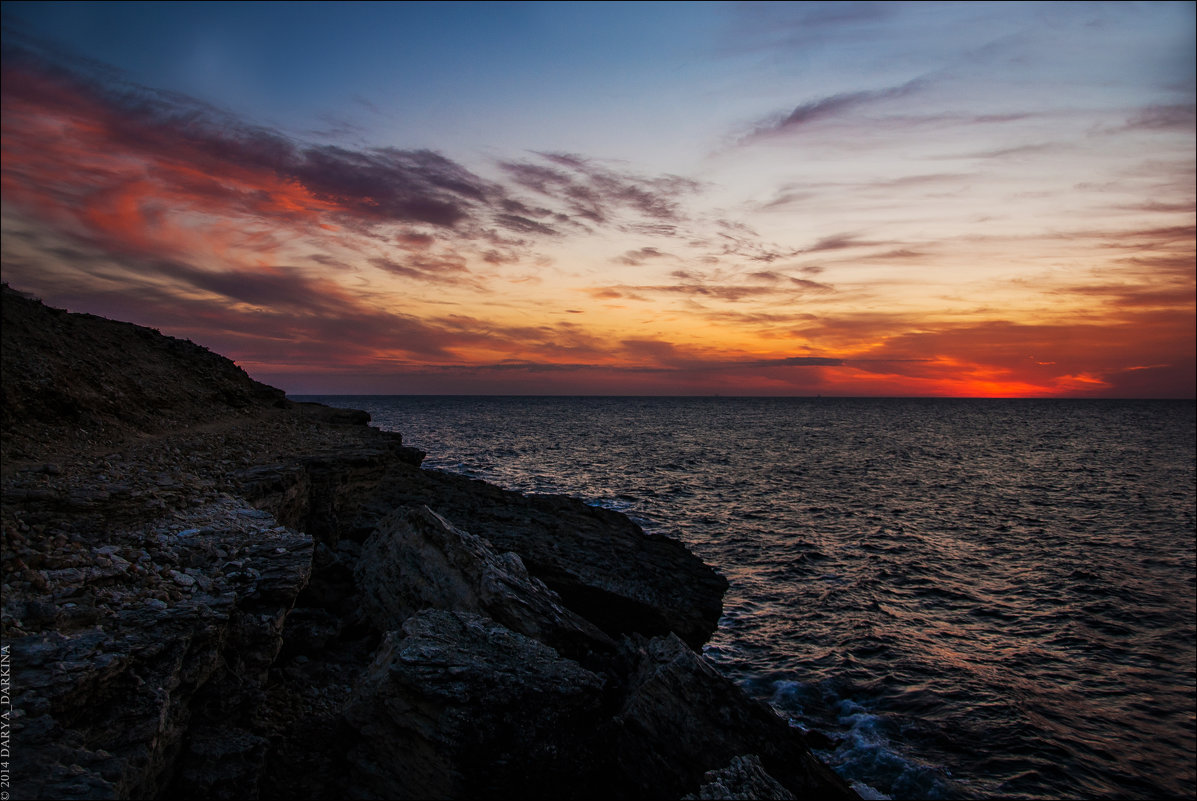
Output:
[[210, 591]]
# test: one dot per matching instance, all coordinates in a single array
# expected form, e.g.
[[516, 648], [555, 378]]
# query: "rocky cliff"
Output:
[[210, 591]]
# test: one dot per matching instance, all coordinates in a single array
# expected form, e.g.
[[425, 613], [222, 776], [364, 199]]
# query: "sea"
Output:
[[970, 598]]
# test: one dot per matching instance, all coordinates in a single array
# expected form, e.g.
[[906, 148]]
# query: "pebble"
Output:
[[182, 579]]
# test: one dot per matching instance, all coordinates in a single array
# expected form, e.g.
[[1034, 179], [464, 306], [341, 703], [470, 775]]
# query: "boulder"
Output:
[[745, 779], [416, 560], [459, 706], [680, 718], [603, 566]]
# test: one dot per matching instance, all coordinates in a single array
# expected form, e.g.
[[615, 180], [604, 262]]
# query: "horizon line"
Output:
[[722, 396]]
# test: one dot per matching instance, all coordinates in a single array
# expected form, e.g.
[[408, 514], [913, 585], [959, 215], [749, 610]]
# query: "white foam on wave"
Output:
[[862, 750], [868, 793]]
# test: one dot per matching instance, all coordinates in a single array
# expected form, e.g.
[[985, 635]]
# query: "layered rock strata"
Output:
[[213, 592]]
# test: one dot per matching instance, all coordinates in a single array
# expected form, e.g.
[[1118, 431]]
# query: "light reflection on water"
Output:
[[978, 597]]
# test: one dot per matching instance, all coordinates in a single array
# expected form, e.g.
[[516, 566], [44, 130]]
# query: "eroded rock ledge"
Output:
[[213, 592]]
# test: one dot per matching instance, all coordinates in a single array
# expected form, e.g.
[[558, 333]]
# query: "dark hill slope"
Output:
[[63, 373]]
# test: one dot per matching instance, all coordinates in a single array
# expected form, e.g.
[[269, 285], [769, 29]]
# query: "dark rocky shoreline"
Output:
[[211, 591]]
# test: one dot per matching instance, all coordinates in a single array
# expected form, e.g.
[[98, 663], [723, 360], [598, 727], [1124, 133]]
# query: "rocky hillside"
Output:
[[69, 373], [210, 591]]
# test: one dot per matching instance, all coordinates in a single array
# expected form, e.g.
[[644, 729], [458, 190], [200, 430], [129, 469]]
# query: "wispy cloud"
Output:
[[1171, 116], [771, 286], [585, 189], [829, 107], [639, 256]]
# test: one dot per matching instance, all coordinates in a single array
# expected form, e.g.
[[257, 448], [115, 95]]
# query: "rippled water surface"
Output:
[[974, 597]]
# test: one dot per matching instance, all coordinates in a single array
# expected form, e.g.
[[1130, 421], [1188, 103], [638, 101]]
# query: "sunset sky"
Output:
[[914, 199]]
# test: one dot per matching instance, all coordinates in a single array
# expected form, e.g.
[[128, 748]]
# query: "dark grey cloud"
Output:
[[669, 361], [637, 257], [897, 254], [1183, 207], [1015, 151], [926, 179], [697, 286], [796, 361], [744, 243], [762, 319], [327, 261], [1163, 297], [314, 320], [829, 107], [588, 190], [439, 269], [523, 225], [787, 197], [791, 27], [837, 104], [281, 287], [1153, 238], [839, 242], [1173, 117], [389, 183]]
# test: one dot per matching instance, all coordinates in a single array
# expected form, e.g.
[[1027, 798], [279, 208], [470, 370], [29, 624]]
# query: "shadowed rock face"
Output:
[[600, 563], [212, 592], [417, 560], [457, 705]]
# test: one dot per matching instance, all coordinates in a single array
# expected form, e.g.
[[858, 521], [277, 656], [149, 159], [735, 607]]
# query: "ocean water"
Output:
[[973, 598]]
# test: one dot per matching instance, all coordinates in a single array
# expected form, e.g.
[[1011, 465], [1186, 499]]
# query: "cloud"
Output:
[[117, 163], [279, 287], [523, 225], [1015, 151], [275, 317], [130, 168], [586, 189], [839, 242], [637, 257], [829, 107], [446, 269], [897, 254], [1153, 237], [1165, 117], [696, 286], [388, 183], [789, 27], [741, 242], [835, 105], [797, 361]]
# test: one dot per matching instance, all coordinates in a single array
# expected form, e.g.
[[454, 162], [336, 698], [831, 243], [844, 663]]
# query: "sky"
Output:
[[838, 199]]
